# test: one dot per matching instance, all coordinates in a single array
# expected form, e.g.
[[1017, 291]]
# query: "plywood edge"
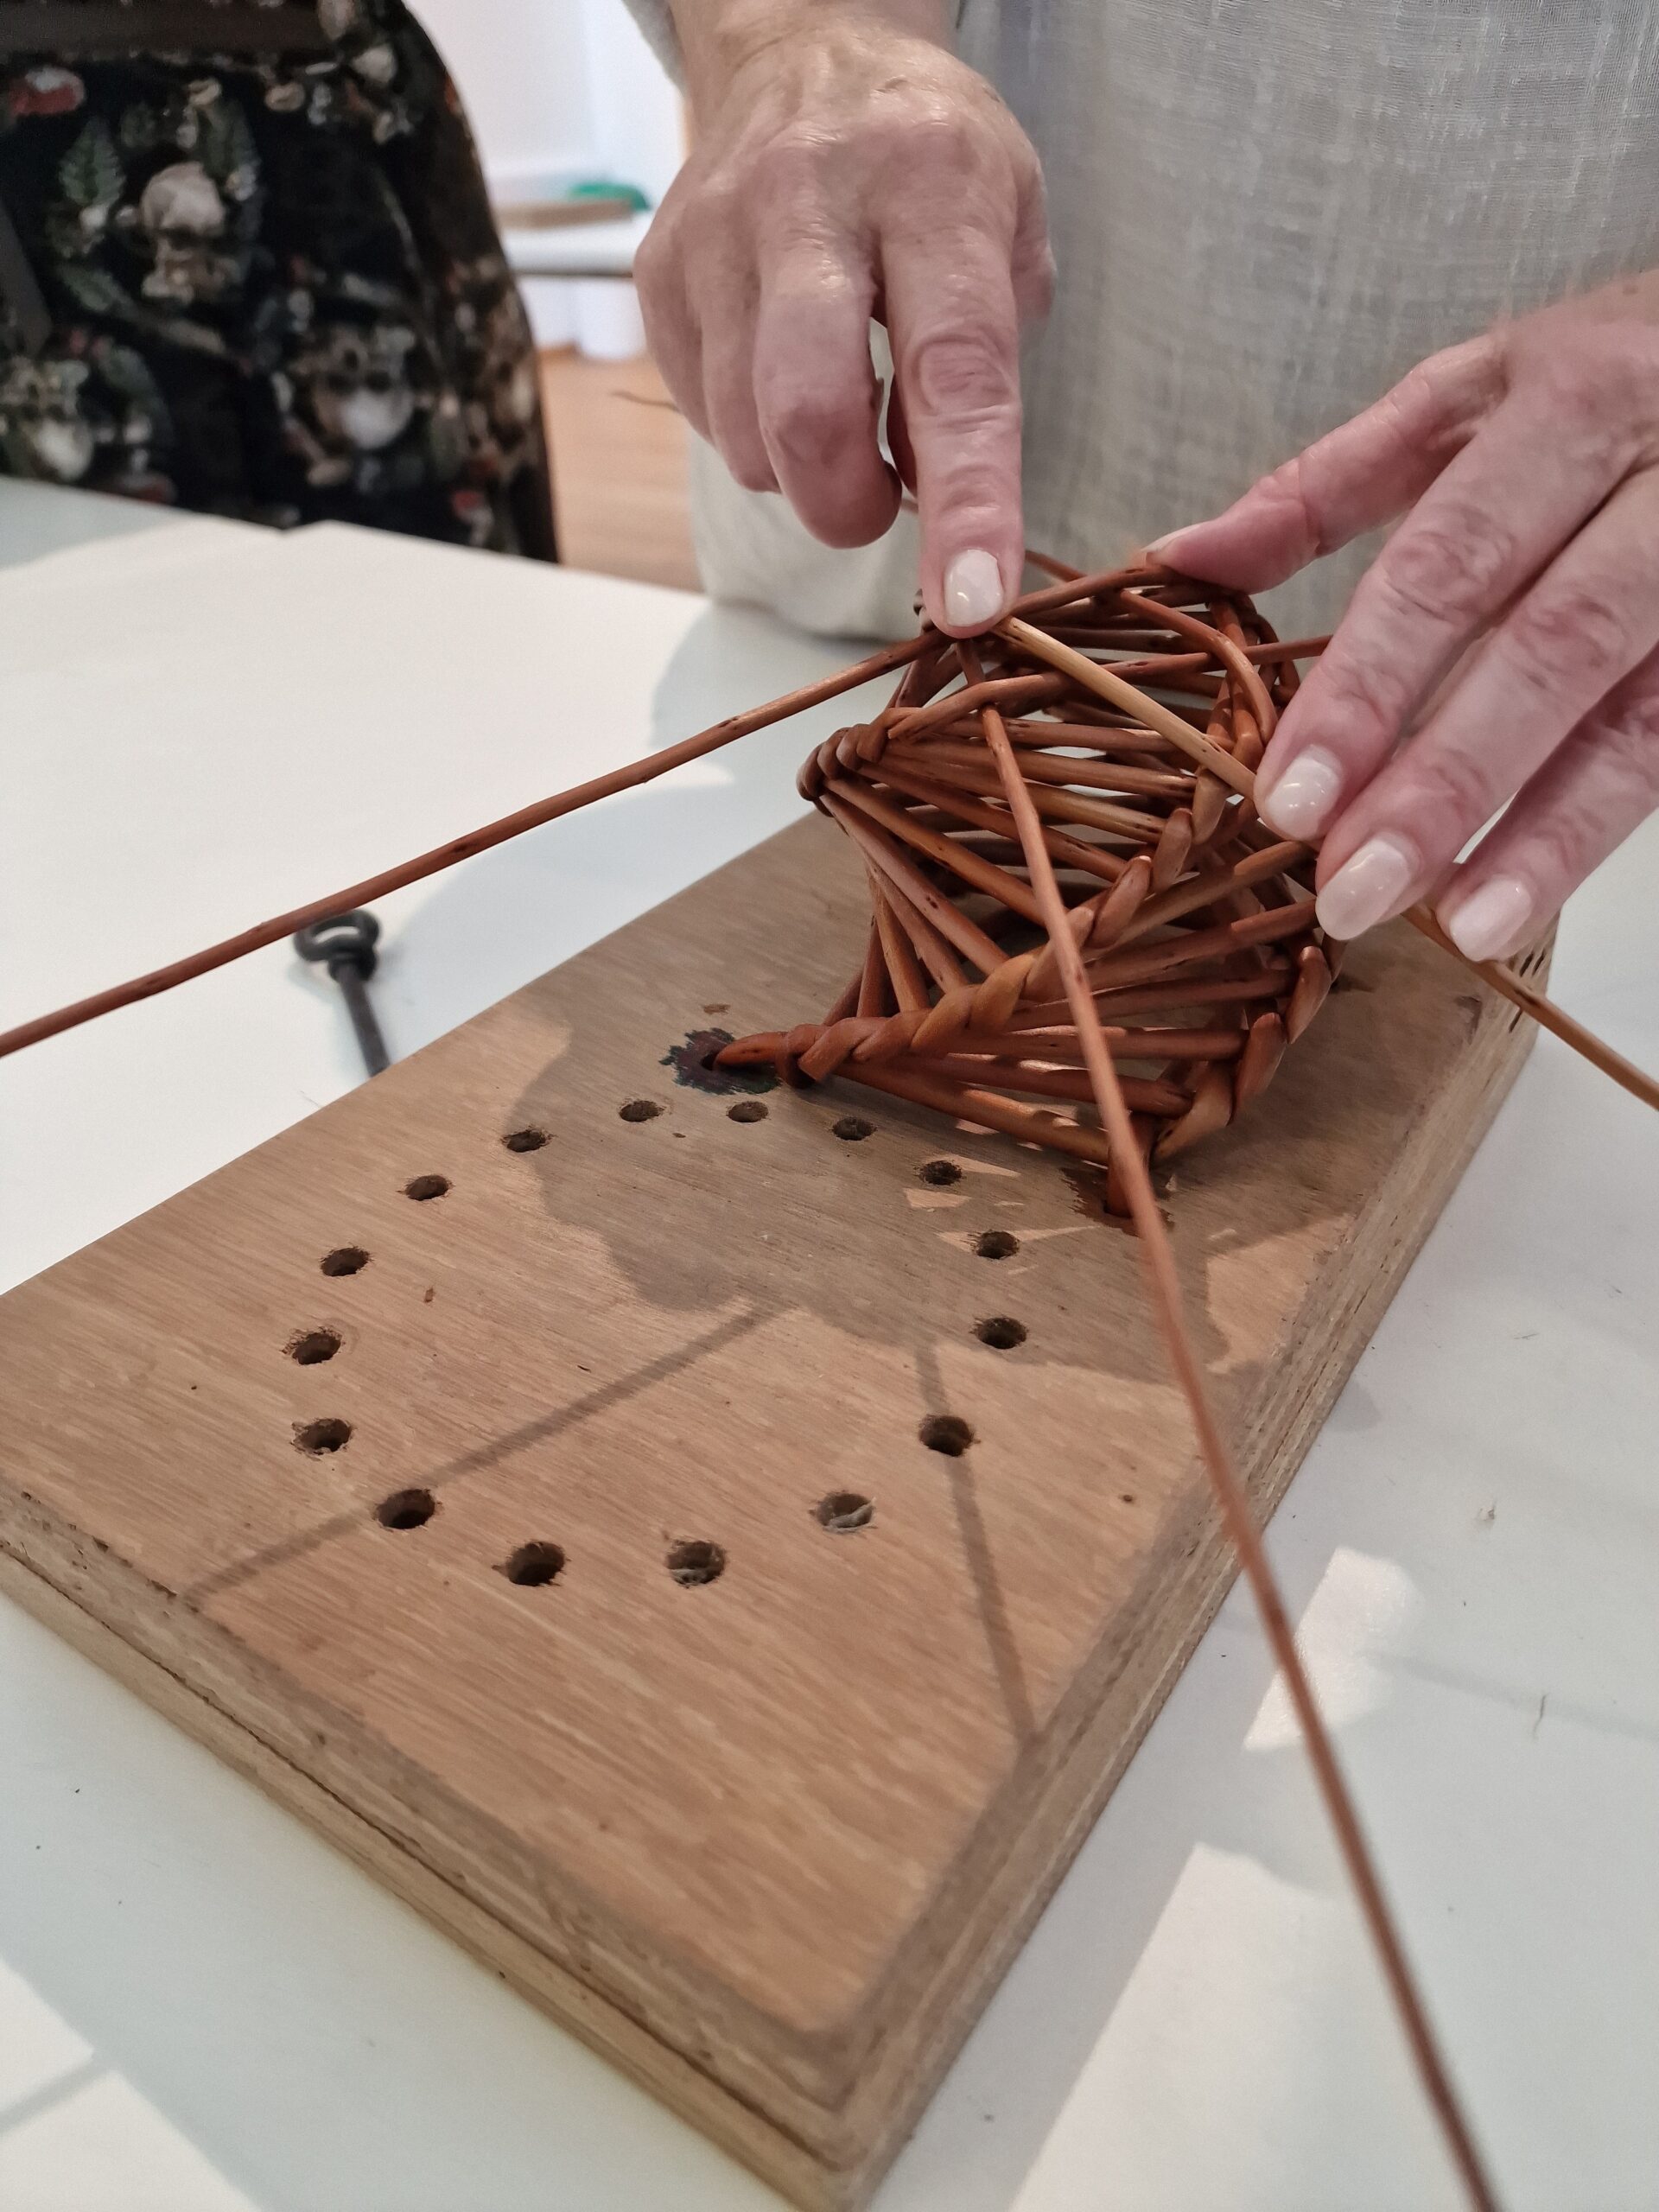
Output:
[[796, 2080], [747, 2134], [1058, 1807]]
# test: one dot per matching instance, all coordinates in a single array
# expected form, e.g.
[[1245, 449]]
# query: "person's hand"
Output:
[[1526, 467], [846, 166]]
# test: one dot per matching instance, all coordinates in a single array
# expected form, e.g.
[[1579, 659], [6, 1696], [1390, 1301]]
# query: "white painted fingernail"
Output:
[[972, 591], [1368, 888], [1492, 921], [1303, 799]]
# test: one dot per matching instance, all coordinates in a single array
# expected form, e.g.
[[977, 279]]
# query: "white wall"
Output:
[[636, 111], [558, 89]]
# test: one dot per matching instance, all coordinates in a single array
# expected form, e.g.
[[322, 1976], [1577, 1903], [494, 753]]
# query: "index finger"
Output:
[[954, 326], [1356, 477], [815, 388]]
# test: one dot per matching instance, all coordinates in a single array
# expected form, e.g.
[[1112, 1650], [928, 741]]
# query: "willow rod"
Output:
[[461, 848], [1494, 974], [1157, 1253], [202, 963]]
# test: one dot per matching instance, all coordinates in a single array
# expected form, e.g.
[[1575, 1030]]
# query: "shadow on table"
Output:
[[483, 930]]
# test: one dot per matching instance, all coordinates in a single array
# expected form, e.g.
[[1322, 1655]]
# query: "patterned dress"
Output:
[[253, 272]]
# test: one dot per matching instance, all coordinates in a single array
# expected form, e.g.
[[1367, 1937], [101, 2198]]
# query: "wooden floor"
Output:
[[619, 470]]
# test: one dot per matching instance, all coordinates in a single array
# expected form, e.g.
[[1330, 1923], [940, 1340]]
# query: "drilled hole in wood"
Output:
[[317, 1437], [844, 1511], [312, 1346], [406, 1508], [344, 1261], [1001, 1332], [852, 1128], [534, 1565], [996, 1244], [694, 1563], [426, 1186], [639, 1109], [940, 1171], [946, 1433], [747, 1109], [524, 1140]]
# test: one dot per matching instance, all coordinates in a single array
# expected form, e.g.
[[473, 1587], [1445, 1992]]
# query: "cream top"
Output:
[[1263, 215]]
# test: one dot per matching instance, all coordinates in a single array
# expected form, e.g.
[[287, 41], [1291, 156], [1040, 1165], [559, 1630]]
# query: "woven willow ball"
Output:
[[1196, 922]]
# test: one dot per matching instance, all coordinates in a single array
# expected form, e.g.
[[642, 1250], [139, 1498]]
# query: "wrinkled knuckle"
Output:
[[1601, 400], [1362, 696], [1415, 408], [1570, 381], [1626, 734], [1453, 793], [807, 424], [1434, 404], [960, 373], [715, 216], [975, 493], [1285, 491], [1447, 569], [944, 137], [1566, 634], [786, 168], [1418, 397], [1566, 842], [1480, 370]]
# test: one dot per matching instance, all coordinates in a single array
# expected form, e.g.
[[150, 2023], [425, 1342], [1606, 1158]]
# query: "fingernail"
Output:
[[1302, 800], [972, 591], [1160, 546], [1491, 922], [1368, 888]]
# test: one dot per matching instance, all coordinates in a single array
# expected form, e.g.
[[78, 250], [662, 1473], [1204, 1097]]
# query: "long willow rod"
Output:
[[1494, 974], [203, 963], [461, 848], [1163, 1281]]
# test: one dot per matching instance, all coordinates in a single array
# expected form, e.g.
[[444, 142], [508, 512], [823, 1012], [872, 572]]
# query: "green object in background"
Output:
[[604, 188], [591, 199]]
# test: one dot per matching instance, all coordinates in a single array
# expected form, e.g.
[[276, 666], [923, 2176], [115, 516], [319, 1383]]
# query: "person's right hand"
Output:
[[845, 167]]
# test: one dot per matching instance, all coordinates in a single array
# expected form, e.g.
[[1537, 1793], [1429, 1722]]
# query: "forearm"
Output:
[[717, 38]]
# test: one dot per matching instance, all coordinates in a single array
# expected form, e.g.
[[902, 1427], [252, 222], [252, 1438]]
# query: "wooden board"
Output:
[[768, 1839]]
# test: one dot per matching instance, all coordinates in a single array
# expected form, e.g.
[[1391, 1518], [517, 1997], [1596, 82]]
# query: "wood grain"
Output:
[[769, 1841]]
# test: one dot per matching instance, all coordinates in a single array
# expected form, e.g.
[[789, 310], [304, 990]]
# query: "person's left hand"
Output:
[[1525, 466]]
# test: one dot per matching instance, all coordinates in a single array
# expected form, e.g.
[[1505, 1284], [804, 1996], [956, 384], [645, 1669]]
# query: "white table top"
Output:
[[203, 2007], [580, 250]]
